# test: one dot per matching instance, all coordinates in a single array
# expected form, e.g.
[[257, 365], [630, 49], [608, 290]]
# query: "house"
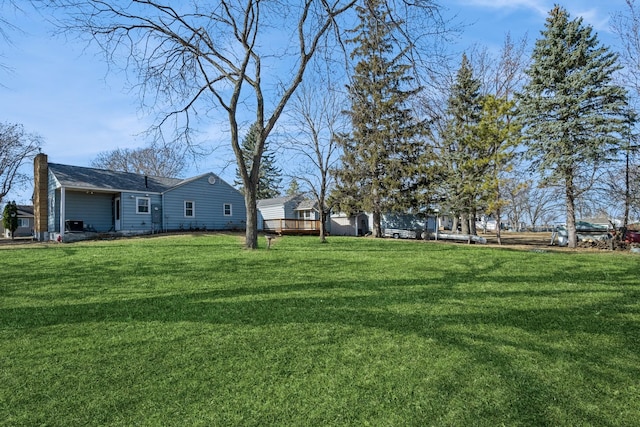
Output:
[[25, 223], [294, 214], [73, 199]]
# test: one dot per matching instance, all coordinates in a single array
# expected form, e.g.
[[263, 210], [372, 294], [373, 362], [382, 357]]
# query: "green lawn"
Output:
[[195, 330]]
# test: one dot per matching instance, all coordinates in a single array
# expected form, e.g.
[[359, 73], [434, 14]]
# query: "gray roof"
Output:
[[101, 179], [25, 210], [300, 202], [306, 204], [277, 201]]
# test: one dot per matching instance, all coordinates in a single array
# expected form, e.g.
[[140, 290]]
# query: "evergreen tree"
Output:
[[270, 175], [294, 188], [10, 217], [499, 134], [460, 152], [381, 155], [571, 111]]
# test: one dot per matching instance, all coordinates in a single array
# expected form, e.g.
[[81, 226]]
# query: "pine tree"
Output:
[[571, 111], [294, 188], [381, 155], [460, 151], [270, 175]]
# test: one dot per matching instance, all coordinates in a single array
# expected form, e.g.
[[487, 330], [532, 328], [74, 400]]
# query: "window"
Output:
[[304, 214], [142, 205], [23, 222], [189, 209], [227, 209]]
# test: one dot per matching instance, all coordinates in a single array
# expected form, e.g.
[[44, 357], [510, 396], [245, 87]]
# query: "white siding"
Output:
[[342, 226], [272, 212]]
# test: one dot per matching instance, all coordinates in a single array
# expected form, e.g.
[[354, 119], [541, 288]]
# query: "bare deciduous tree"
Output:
[[529, 203], [626, 25], [6, 26], [542, 204], [316, 118], [194, 60], [501, 75], [167, 161], [16, 147]]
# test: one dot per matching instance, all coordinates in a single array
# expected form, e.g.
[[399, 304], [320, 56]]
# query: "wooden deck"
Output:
[[292, 226]]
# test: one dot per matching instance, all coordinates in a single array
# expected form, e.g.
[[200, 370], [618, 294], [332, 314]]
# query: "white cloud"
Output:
[[539, 6], [597, 19]]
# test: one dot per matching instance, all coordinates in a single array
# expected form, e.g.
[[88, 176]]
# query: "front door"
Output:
[[116, 214]]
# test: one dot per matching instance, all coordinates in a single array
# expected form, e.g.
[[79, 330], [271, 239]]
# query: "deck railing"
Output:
[[284, 226]]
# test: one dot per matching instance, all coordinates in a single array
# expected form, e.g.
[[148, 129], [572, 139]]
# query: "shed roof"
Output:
[[277, 201]]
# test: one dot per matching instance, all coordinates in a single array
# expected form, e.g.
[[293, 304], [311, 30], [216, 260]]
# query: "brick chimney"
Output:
[[40, 199]]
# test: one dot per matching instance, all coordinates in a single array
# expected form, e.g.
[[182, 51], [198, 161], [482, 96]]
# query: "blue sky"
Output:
[[65, 93]]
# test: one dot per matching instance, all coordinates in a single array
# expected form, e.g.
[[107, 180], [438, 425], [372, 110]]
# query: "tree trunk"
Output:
[[251, 234], [571, 215], [627, 193], [498, 226], [377, 227], [465, 223], [323, 220], [472, 222], [323, 212]]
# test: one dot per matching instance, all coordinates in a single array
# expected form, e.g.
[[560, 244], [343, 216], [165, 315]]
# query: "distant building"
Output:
[[25, 223]]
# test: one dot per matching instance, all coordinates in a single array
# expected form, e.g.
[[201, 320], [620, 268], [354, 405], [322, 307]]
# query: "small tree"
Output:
[[294, 188], [10, 217], [315, 119], [499, 135]]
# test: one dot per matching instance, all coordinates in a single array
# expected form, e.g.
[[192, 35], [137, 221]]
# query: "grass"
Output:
[[194, 330]]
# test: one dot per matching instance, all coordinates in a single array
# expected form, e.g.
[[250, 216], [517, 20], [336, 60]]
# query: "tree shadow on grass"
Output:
[[472, 310], [473, 322]]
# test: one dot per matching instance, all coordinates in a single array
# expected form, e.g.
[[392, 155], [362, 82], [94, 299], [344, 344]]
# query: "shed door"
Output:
[[116, 214]]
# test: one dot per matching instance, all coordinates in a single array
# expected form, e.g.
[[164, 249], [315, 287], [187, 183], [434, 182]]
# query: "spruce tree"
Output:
[[460, 149], [571, 111], [381, 155], [270, 175], [294, 188]]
